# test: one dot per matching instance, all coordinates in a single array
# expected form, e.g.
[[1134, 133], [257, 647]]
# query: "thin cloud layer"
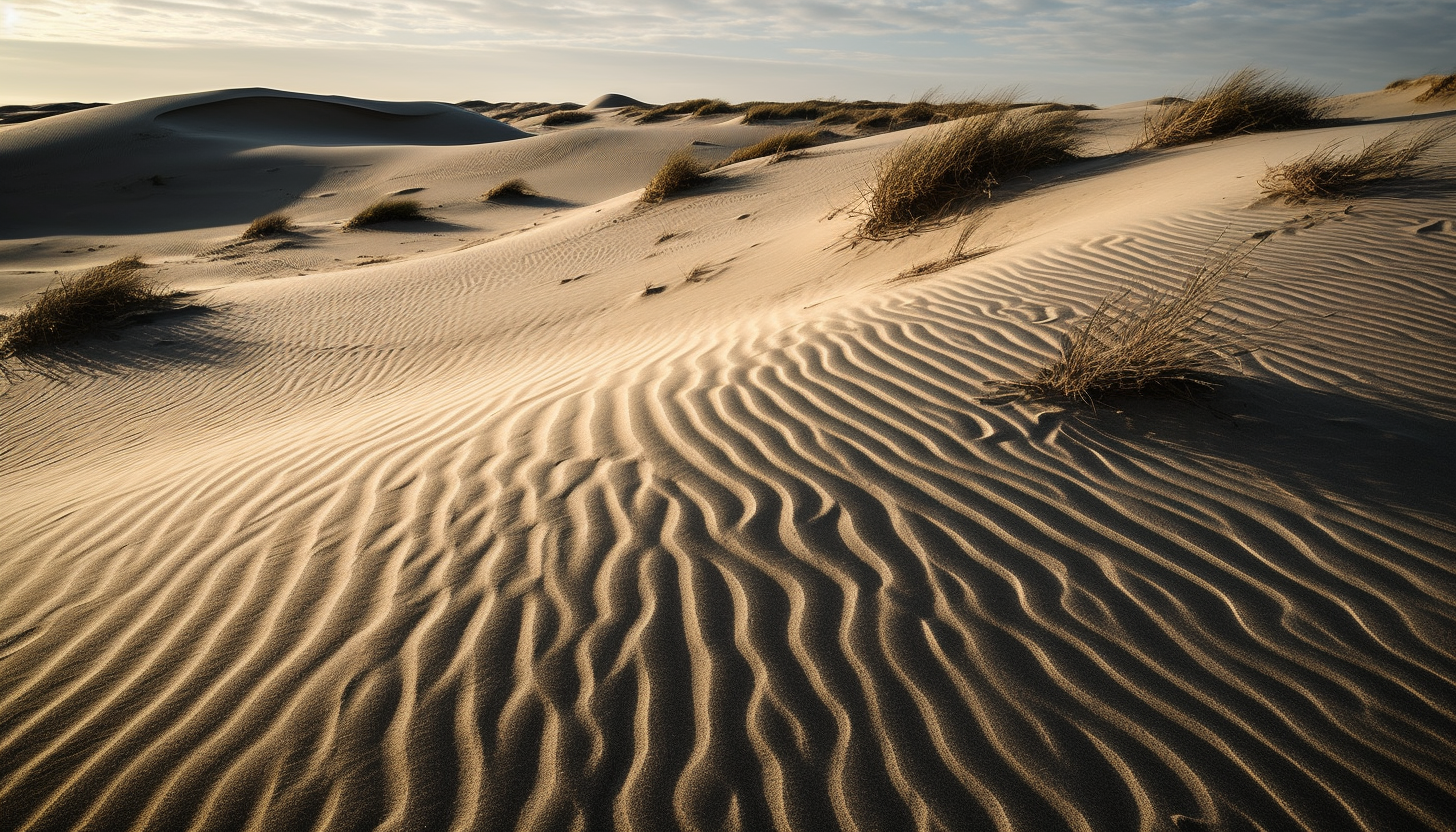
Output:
[[1074, 24]]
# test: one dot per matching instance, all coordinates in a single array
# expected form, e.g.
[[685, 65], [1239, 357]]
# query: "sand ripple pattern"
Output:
[[793, 574]]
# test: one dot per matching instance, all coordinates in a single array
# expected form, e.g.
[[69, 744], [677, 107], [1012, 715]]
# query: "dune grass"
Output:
[[71, 308], [1249, 100], [784, 142], [1325, 173], [928, 178], [1441, 88], [268, 226], [680, 172], [561, 117], [1160, 343], [388, 210], [517, 188]]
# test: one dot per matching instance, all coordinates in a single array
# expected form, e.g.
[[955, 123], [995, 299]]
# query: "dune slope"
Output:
[[496, 539]]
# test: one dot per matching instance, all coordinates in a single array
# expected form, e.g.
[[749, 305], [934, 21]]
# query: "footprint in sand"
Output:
[[1437, 227]]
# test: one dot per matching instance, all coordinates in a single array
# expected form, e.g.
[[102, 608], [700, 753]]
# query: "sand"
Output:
[[453, 526]]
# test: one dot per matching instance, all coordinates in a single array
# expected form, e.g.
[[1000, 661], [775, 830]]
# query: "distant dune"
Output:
[[562, 511]]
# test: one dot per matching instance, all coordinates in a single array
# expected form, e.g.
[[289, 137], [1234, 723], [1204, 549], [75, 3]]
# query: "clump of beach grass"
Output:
[[1249, 100], [680, 172], [1158, 343], [388, 210], [562, 117], [780, 143], [96, 300], [269, 226], [1441, 87], [929, 177], [511, 188], [1326, 173]]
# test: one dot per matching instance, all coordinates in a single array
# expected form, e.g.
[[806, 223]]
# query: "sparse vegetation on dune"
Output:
[[1158, 343], [388, 210], [269, 226], [929, 177], [774, 145], [517, 188], [96, 300], [681, 171], [1247, 101], [1327, 173], [1441, 88], [563, 117]]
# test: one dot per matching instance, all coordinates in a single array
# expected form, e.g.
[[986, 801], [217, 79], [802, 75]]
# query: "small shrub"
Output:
[[680, 172], [1160, 343], [1323, 173], [930, 176], [1247, 101], [511, 188], [773, 145], [98, 299], [388, 210], [561, 117], [1442, 87], [268, 226]]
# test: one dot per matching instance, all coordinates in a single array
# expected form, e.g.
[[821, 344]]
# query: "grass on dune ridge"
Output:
[[774, 145], [681, 171], [388, 210], [94, 301], [1249, 100], [269, 226], [518, 188], [1326, 173], [930, 177]]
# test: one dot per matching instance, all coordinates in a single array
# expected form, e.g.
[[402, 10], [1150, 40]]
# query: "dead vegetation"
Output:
[[960, 253], [775, 145], [1326, 173], [511, 189], [681, 171], [388, 210], [97, 300], [1247, 101], [1163, 343], [269, 226], [930, 177]]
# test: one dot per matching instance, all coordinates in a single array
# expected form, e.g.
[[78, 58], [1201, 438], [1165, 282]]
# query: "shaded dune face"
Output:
[[311, 122]]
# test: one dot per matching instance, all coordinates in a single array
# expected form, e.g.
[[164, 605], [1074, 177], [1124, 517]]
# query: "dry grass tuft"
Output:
[[1442, 87], [561, 117], [511, 188], [1247, 101], [1324, 174], [779, 111], [959, 254], [774, 145], [1159, 343], [680, 172], [98, 299], [268, 226], [388, 210], [928, 178]]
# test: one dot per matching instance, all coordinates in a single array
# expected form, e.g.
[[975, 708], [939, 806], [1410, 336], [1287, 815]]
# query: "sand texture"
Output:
[[454, 526]]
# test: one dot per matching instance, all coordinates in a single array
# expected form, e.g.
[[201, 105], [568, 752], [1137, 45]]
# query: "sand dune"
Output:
[[487, 538]]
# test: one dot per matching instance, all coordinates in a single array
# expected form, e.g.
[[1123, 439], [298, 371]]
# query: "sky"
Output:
[[1077, 51]]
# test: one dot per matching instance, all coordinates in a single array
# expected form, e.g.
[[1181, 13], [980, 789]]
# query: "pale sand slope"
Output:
[[449, 543]]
